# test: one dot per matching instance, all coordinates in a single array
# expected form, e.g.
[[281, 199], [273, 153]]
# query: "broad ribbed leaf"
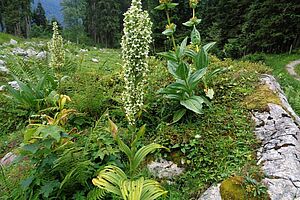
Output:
[[191, 53], [168, 32], [171, 5], [194, 104], [183, 71], [123, 147], [110, 179], [195, 37], [178, 115], [168, 55], [196, 76], [182, 48], [152, 190], [172, 67], [208, 46], [142, 153], [202, 56], [161, 7], [201, 59]]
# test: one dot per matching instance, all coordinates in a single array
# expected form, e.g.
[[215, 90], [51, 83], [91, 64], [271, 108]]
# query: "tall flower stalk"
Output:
[[56, 49], [135, 48]]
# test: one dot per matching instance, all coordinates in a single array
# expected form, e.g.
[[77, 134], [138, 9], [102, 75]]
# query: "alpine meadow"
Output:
[[149, 99]]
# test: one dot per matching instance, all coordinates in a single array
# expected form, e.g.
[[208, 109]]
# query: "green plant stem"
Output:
[[169, 22], [193, 12]]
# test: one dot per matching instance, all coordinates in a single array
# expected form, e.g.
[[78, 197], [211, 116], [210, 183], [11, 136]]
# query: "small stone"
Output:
[[2, 62], [83, 50], [31, 52], [2, 88], [95, 60], [41, 55], [8, 159], [3, 69], [19, 51], [14, 84], [13, 42]]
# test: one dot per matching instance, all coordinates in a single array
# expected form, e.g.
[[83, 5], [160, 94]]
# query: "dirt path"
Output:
[[291, 69]]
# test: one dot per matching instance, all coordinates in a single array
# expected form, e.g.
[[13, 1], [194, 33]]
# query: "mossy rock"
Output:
[[260, 99], [232, 189]]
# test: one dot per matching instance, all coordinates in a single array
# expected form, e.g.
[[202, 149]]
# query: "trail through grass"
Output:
[[290, 85]]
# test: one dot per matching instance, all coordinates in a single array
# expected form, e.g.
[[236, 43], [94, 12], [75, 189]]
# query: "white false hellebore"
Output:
[[56, 48], [135, 48]]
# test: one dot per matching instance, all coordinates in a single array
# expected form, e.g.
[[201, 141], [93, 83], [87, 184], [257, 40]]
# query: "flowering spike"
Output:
[[56, 48], [135, 49]]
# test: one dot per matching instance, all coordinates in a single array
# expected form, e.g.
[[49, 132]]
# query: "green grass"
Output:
[[290, 85], [297, 69], [7, 37]]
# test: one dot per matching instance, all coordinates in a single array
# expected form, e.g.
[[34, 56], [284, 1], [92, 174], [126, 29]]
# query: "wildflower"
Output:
[[56, 48], [135, 49]]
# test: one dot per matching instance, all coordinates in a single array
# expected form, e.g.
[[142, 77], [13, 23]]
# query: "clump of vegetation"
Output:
[[188, 66], [260, 99], [240, 188]]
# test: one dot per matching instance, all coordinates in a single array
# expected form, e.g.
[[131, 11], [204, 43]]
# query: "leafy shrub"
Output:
[[257, 57], [39, 32], [188, 66], [64, 161], [233, 49], [93, 93]]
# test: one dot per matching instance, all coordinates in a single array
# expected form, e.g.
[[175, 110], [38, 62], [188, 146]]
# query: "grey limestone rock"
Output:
[[13, 42], [14, 84], [212, 193], [164, 169], [279, 155], [2, 88], [19, 51], [41, 55], [31, 52]]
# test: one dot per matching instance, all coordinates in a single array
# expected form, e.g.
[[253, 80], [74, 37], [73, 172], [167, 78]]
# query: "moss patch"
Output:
[[260, 98], [297, 69], [232, 189]]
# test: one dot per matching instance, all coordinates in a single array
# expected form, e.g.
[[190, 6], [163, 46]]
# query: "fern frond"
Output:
[[96, 194]]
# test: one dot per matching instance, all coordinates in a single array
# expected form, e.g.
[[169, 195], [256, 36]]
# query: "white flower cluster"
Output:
[[56, 48], [135, 48]]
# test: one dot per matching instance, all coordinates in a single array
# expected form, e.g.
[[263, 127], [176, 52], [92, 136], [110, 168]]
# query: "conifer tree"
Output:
[[39, 16]]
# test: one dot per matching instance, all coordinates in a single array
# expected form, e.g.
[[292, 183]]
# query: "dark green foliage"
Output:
[[37, 86], [103, 22], [74, 17], [214, 145], [64, 162], [271, 26], [16, 16], [243, 27], [39, 16], [289, 84]]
